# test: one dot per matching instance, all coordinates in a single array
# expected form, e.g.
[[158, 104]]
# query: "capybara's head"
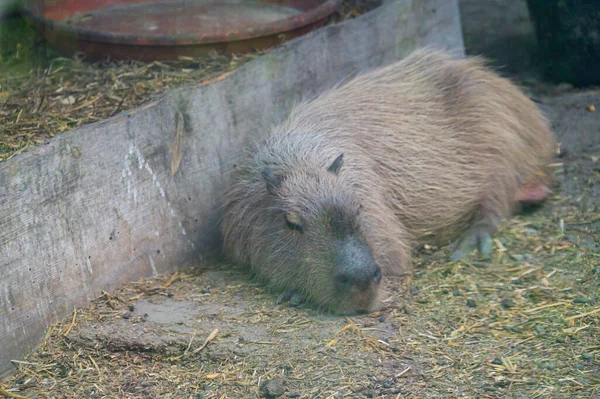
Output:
[[306, 236]]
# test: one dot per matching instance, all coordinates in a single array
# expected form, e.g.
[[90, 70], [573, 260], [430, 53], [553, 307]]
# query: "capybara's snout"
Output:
[[356, 271], [349, 280]]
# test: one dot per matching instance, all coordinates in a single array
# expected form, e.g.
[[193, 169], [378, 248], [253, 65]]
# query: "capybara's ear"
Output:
[[273, 181], [337, 164]]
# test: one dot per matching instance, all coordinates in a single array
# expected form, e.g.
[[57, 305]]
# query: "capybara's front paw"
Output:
[[292, 296], [476, 238]]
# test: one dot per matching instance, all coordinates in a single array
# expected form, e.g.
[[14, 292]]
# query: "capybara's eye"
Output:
[[292, 222]]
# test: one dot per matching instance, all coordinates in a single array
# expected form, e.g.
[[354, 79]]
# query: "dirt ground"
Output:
[[522, 325]]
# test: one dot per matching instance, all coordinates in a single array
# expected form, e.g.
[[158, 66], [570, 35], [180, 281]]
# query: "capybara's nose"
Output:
[[360, 279]]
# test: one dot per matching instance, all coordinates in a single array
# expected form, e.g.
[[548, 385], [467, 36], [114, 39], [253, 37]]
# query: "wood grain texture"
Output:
[[138, 194]]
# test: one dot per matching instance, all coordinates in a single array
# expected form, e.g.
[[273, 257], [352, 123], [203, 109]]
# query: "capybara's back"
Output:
[[431, 147]]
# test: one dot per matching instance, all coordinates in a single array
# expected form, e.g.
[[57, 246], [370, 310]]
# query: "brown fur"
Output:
[[432, 145]]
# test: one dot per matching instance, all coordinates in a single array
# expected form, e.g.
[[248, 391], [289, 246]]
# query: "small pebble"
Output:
[[131, 308], [382, 319], [588, 356], [441, 362], [456, 292], [550, 365], [126, 316], [538, 329], [369, 393], [205, 291], [561, 340], [387, 384], [272, 388], [471, 303], [294, 395], [445, 291], [508, 303], [517, 281], [170, 294], [497, 361], [581, 300]]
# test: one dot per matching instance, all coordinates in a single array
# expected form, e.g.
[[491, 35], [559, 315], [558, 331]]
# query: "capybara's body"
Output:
[[433, 147]]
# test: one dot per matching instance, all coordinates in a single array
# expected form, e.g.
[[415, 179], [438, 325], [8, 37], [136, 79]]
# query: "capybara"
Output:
[[432, 148]]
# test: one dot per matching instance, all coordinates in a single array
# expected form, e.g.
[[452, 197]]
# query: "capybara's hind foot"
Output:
[[477, 237], [474, 239], [292, 296]]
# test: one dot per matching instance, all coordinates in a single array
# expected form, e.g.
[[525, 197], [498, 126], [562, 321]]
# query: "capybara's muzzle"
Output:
[[356, 271]]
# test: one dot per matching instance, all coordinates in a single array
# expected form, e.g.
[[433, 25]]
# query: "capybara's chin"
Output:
[[357, 303]]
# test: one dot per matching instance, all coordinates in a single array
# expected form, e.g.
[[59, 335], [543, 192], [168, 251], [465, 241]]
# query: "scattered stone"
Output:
[[508, 303], [581, 300], [538, 329], [382, 319], [471, 303], [272, 388]]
